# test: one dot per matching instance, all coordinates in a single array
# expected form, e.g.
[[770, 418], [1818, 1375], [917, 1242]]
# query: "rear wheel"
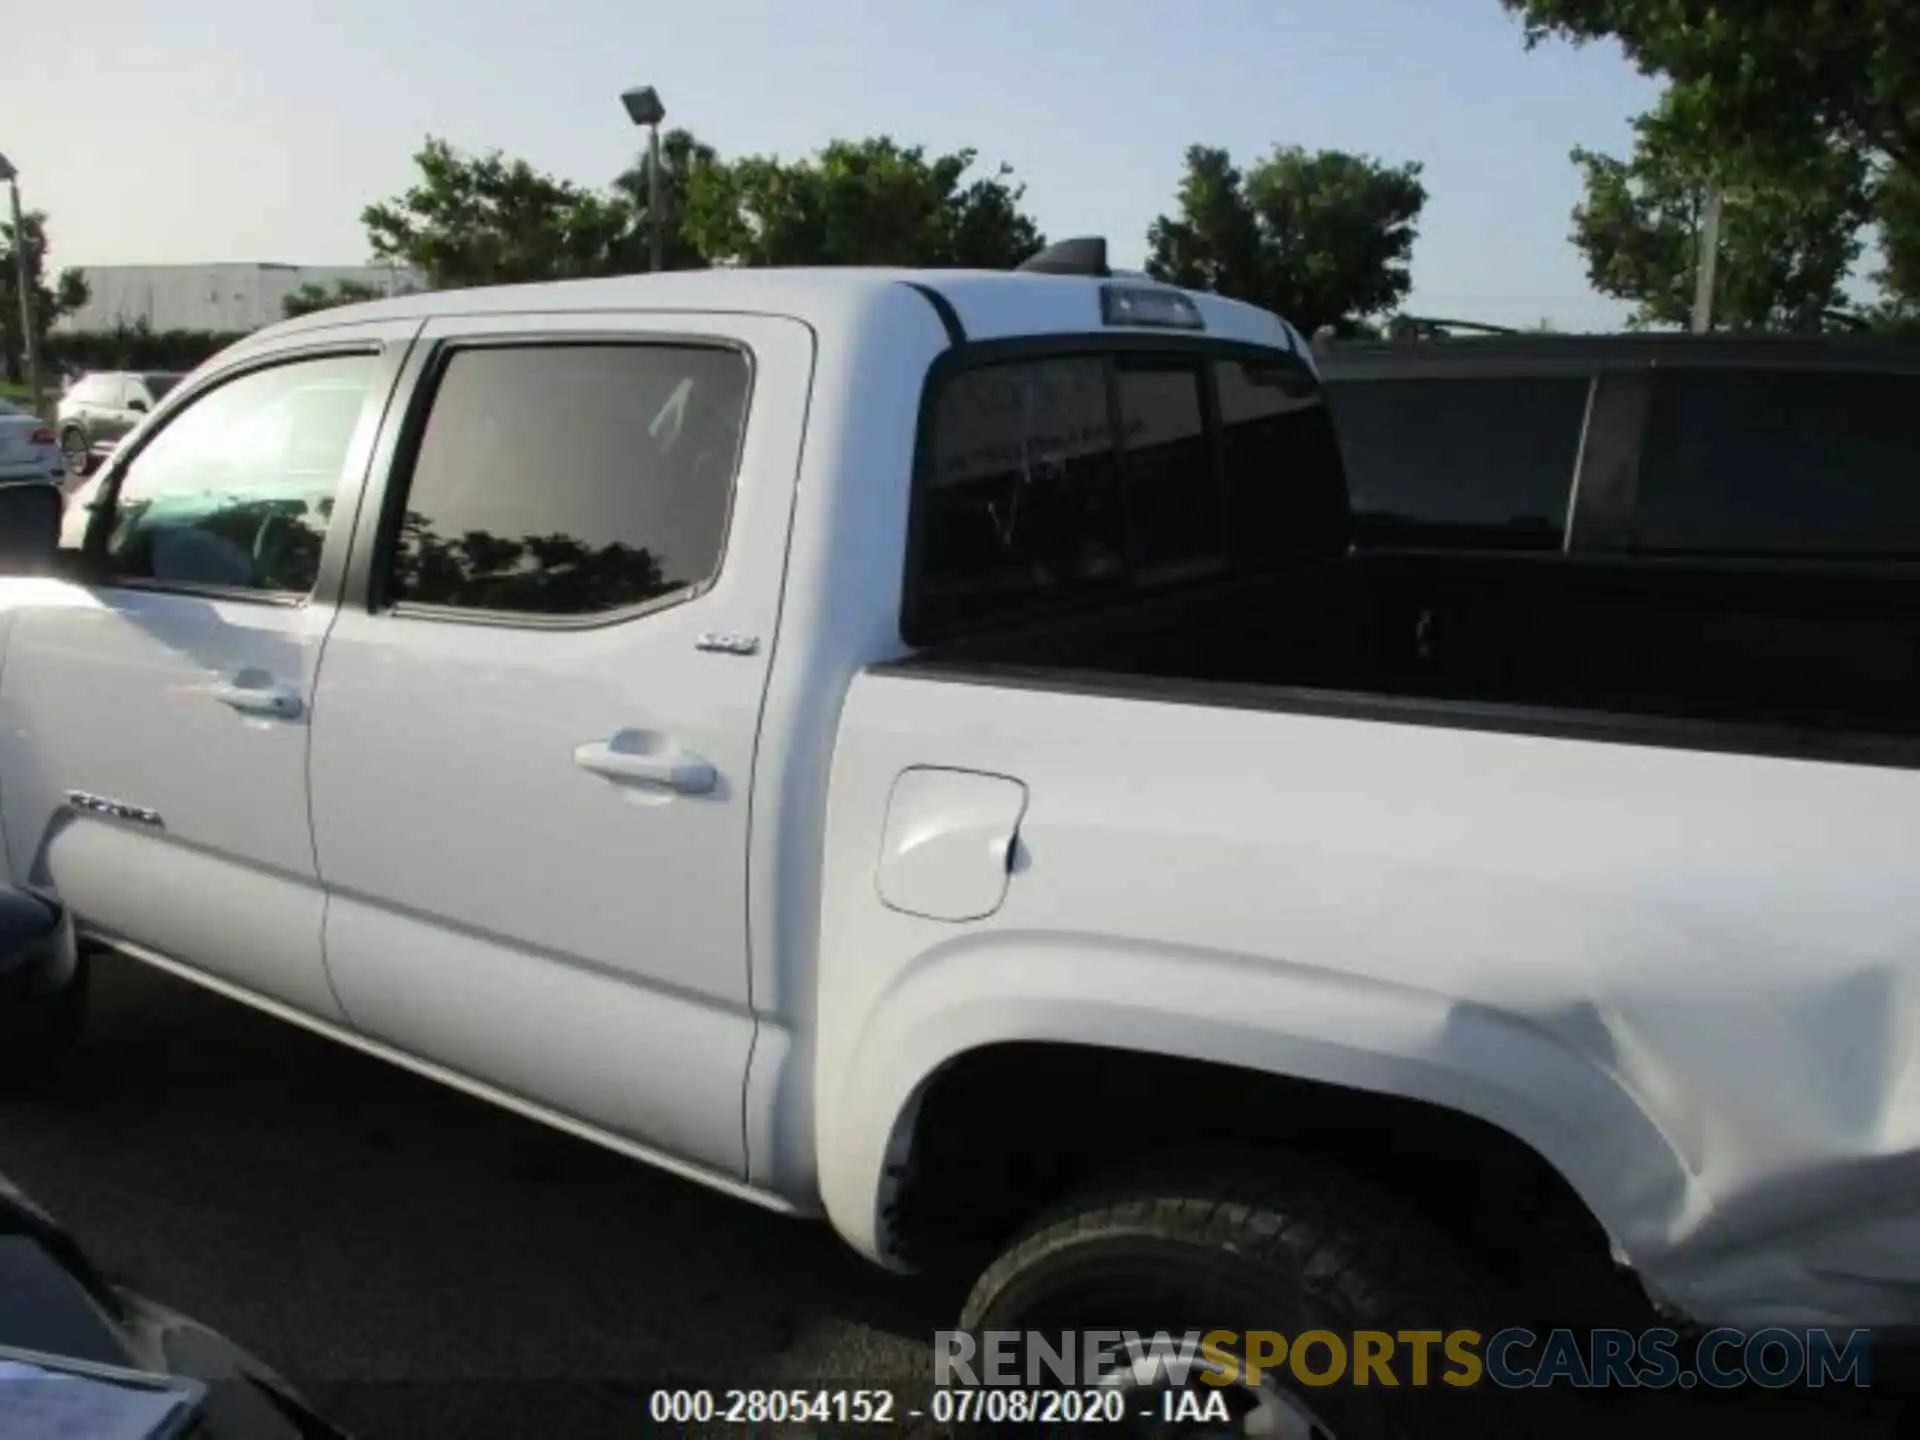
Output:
[[1248, 1244], [73, 445]]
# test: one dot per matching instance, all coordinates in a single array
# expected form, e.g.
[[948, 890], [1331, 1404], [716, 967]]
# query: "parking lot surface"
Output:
[[420, 1263], [425, 1265]]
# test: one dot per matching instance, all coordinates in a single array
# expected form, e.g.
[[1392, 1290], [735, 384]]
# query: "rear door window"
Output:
[[1473, 462], [571, 480], [1781, 463]]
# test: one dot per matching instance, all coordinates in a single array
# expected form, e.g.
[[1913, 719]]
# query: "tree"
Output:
[[1321, 237], [684, 164], [860, 202], [311, 297], [1791, 222], [66, 295], [539, 574], [1758, 67], [1775, 80], [487, 220], [1897, 211]]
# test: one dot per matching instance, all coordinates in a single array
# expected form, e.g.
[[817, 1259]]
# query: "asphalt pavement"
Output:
[[419, 1263], [422, 1264]]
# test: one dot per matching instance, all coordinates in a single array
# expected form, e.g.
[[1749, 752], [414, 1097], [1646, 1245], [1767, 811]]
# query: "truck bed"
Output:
[[1616, 857], [1826, 651]]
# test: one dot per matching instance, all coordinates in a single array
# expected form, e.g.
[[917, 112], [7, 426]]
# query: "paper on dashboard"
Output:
[[42, 1404]]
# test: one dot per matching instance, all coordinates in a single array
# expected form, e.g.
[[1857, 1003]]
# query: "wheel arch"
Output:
[[944, 1071]]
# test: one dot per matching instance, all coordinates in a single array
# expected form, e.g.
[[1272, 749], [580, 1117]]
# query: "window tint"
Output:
[[1173, 495], [1286, 491], [1484, 462], [238, 489], [571, 479], [1030, 496], [1020, 490], [158, 383], [1781, 463]]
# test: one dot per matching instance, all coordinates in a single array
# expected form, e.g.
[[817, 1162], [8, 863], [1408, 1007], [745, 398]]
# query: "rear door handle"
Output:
[[252, 692], [649, 759]]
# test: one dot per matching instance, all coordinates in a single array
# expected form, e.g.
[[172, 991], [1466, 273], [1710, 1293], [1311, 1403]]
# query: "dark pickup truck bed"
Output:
[[1783, 645]]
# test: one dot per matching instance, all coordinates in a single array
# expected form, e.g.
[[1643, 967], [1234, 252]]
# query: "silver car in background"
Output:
[[100, 408]]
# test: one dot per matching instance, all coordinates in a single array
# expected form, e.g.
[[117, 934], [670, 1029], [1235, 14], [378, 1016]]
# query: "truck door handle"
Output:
[[650, 759], [252, 692]]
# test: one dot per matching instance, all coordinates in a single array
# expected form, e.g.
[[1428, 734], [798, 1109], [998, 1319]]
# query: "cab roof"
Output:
[[987, 304]]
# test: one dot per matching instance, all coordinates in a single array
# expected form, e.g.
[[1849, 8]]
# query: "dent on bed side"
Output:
[[1290, 1021]]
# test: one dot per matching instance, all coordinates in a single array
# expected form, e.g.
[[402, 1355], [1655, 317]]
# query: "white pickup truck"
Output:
[[917, 749]]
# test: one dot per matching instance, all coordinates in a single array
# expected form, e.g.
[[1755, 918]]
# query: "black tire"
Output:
[[77, 453], [38, 1031], [1254, 1242]]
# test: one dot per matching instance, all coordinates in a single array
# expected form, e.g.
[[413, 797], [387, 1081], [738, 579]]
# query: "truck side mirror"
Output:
[[29, 527], [139, 407]]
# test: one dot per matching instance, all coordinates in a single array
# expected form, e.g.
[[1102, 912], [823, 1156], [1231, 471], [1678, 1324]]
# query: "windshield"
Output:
[[158, 383]]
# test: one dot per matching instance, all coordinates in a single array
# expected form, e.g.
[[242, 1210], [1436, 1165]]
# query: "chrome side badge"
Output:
[[115, 809], [728, 644]]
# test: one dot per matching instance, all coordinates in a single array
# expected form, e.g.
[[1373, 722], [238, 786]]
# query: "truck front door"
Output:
[[156, 703]]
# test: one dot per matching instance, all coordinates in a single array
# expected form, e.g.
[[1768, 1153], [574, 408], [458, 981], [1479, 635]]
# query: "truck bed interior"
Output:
[[1788, 645]]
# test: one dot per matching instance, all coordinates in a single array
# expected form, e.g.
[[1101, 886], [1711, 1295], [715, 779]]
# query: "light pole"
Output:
[[644, 108], [1707, 264], [24, 280]]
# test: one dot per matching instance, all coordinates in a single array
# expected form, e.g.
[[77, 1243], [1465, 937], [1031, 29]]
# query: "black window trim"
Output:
[[400, 447], [1102, 345], [1606, 465], [92, 558]]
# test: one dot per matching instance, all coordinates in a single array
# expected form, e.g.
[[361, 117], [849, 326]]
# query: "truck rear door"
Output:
[[533, 757]]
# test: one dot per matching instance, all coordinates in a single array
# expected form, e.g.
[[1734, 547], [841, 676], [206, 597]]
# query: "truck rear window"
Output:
[[1052, 482]]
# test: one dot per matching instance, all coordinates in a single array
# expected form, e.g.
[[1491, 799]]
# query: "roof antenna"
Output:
[[1086, 255]]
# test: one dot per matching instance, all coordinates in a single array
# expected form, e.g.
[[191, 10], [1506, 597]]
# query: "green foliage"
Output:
[[137, 347], [487, 220], [490, 220], [1812, 101], [311, 297], [685, 164], [1791, 222], [1320, 237], [864, 202], [1761, 68], [1897, 212], [67, 293]]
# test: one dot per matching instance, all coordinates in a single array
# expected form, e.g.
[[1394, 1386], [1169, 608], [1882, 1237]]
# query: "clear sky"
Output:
[[195, 130]]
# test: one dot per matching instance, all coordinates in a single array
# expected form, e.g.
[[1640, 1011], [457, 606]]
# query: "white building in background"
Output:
[[226, 297]]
